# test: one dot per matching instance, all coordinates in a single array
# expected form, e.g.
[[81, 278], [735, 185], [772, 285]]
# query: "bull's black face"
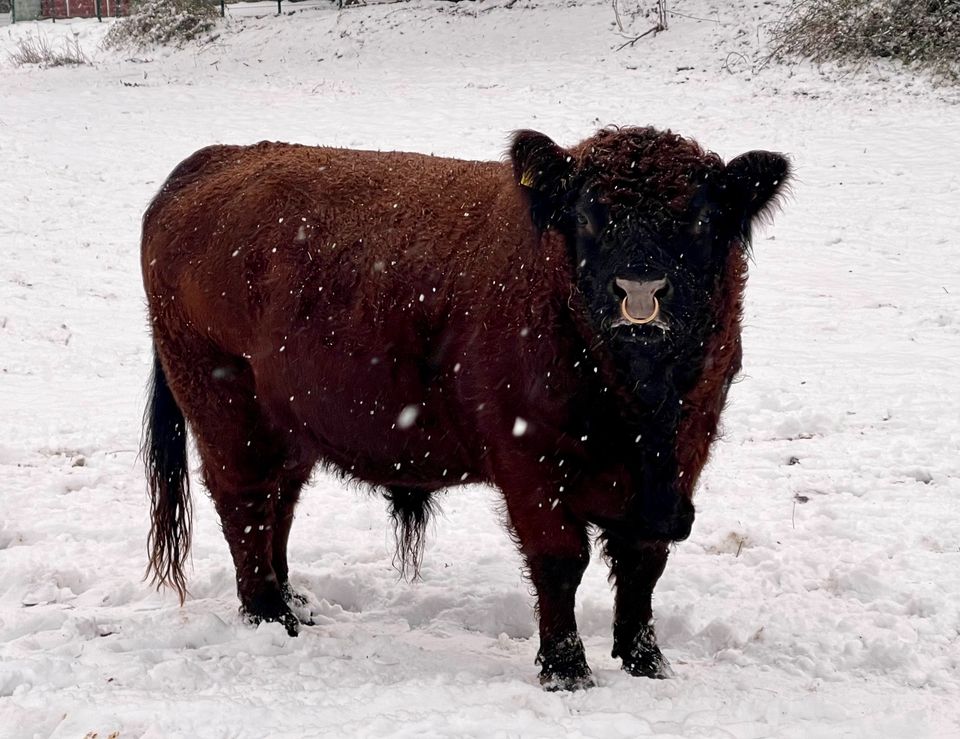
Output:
[[643, 281], [650, 219], [647, 284]]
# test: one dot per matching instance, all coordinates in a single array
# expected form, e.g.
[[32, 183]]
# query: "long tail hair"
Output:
[[164, 453]]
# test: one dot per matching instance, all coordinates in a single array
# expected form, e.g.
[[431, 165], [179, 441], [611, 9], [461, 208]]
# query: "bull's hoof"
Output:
[[564, 665], [649, 665], [645, 658], [553, 683], [283, 616]]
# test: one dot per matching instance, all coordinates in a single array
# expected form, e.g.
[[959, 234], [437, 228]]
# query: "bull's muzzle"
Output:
[[640, 306]]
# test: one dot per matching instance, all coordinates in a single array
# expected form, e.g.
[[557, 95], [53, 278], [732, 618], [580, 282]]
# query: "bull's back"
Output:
[[282, 202], [235, 228]]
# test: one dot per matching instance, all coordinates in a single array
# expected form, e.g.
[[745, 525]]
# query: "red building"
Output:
[[82, 8], [28, 10]]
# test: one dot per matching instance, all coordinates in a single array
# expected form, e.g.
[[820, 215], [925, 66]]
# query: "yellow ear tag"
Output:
[[527, 179]]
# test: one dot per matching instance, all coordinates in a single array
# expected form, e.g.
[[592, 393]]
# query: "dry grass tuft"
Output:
[[37, 50]]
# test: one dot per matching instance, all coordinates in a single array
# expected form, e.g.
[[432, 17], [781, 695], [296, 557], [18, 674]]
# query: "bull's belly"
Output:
[[381, 425]]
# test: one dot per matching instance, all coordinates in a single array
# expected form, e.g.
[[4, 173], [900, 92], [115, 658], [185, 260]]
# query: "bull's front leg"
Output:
[[563, 664], [635, 568], [557, 550]]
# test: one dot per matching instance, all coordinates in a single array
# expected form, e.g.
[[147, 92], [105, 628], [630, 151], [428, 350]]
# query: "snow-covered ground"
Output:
[[820, 592]]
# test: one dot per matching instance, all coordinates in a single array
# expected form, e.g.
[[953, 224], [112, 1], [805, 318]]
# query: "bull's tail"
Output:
[[411, 510], [164, 454]]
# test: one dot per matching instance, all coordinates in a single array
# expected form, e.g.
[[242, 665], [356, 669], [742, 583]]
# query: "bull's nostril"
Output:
[[665, 291]]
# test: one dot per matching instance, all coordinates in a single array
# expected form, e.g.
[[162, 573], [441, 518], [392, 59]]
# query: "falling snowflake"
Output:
[[408, 416]]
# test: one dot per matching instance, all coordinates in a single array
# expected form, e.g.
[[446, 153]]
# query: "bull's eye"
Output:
[[582, 220]]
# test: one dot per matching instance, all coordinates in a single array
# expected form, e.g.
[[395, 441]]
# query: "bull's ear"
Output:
[[542, 170], [752, 183]]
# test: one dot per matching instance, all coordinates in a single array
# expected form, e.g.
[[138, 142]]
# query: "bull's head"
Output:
[[649, 220]]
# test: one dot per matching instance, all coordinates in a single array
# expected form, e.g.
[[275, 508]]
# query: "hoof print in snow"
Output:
[[299, 604]]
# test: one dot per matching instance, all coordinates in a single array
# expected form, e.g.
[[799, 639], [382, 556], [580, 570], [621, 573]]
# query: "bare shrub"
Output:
[[37, 50], [923, 34], [162, 22], [651, 12]]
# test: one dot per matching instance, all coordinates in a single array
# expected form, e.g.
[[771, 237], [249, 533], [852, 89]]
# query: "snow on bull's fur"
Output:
[[564, 326]]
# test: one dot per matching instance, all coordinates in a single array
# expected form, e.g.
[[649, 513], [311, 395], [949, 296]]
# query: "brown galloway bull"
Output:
[[564, 327]]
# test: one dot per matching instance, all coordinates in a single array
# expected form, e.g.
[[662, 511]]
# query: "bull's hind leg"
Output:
[[287, 499], [557, 551], [252, 473], [635, 570], [256, 524]]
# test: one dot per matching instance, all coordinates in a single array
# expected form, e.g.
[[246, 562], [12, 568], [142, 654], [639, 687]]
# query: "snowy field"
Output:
[[819, 595]]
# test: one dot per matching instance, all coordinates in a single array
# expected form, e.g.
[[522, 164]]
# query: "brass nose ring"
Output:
[[640, 321]]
